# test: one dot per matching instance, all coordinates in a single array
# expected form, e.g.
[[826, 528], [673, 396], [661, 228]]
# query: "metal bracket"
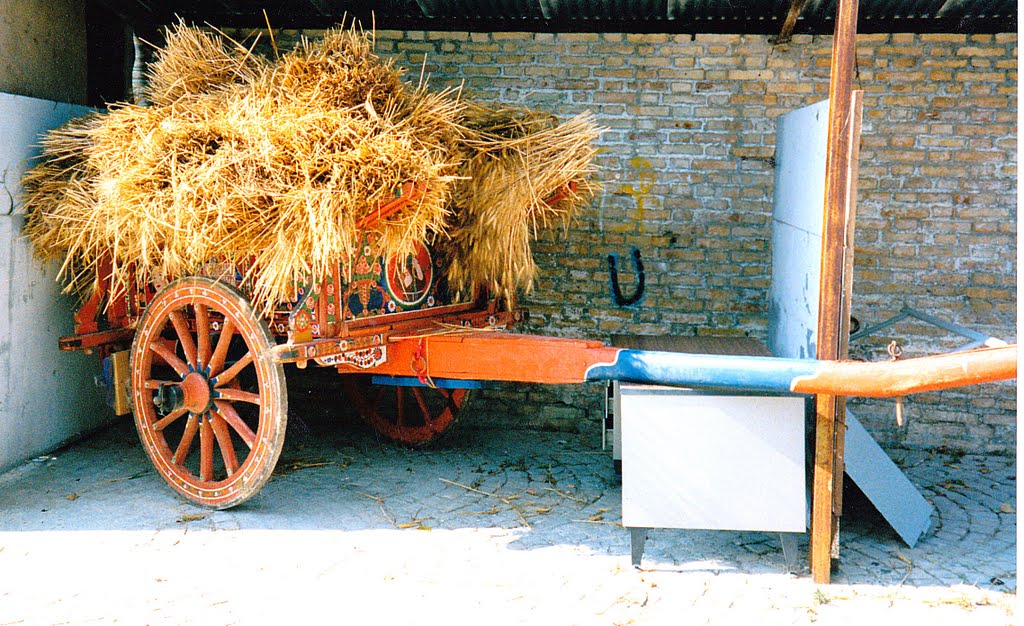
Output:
[[790, 552], [979, 339], [895, 352]]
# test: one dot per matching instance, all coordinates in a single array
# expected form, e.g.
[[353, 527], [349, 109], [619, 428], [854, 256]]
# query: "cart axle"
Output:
[[169, 398]]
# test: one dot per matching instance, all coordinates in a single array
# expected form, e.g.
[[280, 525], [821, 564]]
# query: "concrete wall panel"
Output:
[[48, 397], [43, 49]]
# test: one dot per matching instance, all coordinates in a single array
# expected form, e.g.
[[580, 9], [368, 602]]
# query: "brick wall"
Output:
[[937, 218], [688, 172]]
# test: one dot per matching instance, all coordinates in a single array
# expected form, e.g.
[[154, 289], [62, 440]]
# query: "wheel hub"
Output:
[[194, 394]]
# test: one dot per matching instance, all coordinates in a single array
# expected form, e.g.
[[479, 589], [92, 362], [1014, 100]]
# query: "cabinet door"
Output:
[[721, 462]]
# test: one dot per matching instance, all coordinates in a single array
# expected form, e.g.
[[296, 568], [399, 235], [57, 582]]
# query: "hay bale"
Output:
[[338, 71], [270, 166]]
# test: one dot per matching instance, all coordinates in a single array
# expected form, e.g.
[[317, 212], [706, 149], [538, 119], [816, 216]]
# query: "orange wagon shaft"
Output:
[[889, 379]]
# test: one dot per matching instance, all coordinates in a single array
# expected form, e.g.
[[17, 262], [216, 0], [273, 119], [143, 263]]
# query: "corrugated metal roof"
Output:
[[474, 9], [689, 16], [711, 10], [949, 12]]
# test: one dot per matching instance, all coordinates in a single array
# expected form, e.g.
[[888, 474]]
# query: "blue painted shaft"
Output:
[[715, 371]]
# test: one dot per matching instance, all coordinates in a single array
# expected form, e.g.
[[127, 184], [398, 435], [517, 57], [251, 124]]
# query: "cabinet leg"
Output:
[[789, 552], [637, 539]]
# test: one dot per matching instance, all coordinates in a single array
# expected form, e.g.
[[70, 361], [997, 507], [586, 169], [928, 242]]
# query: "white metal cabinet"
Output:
[[700, 460]]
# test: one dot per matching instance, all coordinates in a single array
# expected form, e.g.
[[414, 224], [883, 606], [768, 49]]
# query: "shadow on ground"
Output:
[[542, 488]]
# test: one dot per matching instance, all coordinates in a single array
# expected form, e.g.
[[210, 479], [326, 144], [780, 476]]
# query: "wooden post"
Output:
[[833, 307]]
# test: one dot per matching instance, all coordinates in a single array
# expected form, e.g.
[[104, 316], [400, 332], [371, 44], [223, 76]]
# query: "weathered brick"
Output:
[[981, 77], [577, 37], [705, 38], [943, 38], [758, 75], [976, 51], [442, 36]]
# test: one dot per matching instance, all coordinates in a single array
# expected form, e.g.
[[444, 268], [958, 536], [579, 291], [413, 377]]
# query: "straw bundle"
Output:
[[338, 71], [195, 62], [62, 183], [501, 197], [270, 166]]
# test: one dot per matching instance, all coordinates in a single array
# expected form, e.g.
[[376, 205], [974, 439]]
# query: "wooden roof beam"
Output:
[[796, 7]]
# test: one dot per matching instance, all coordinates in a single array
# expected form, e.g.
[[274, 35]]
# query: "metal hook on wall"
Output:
[[638, 269]]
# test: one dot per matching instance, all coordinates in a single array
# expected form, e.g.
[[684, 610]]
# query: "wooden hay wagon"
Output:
[[203, 370]]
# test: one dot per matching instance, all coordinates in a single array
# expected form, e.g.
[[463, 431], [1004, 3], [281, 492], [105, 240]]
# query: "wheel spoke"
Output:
[[451, 401], [423, 405], [202, 335], [206, 450], [455, 399], [171, 417], [156, 384], [237, 395], [230, 373], [231, 416], [227, 448], [221, 351], [400, 405], [188, 346], [379, 395], [169, 357], [186, 440]]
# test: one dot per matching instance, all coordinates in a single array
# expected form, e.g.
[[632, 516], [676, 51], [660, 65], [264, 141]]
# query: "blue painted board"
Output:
[[885, 484]]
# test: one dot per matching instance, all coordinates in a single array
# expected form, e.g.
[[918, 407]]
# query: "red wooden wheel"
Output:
[[210, 406], [414, 416]]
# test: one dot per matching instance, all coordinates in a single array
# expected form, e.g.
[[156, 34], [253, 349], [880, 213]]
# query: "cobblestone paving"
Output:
[[497, 527]]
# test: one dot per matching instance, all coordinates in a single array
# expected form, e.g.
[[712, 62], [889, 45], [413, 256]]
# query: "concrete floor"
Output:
[[495, 526]]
